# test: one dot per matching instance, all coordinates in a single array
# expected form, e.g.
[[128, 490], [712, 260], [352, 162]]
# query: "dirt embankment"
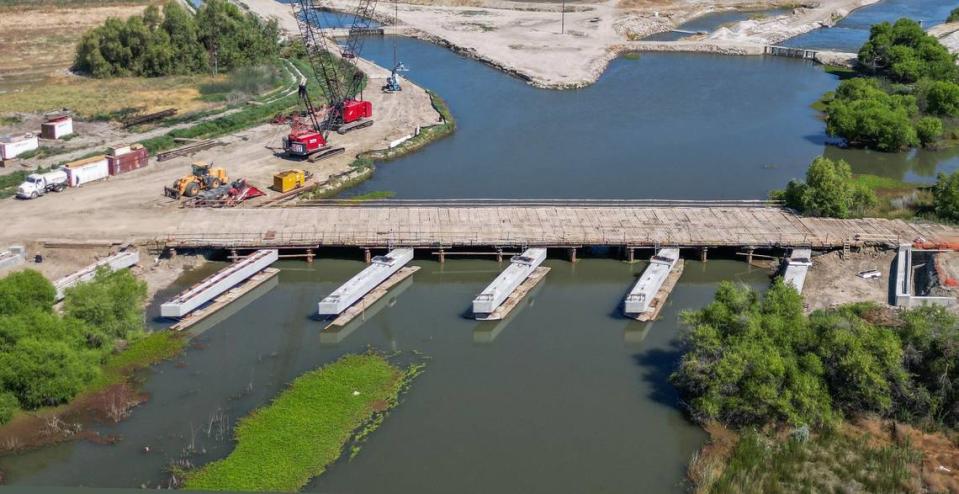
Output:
[[537, 42]]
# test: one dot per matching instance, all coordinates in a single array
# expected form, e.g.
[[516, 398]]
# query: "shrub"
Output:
[[25, 290], [929, 130], [175, 42], [865, 115], [828, 191], [8, 406], [942, 98], [750, 360], [904, 52], [946, 196], [113, 304], [44, 372]]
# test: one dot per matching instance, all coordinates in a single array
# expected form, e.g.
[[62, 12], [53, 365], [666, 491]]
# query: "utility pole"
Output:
[[562, 28]]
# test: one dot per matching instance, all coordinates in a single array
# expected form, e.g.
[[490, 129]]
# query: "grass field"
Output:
[[281, 446], [92, 98], [39, 36]]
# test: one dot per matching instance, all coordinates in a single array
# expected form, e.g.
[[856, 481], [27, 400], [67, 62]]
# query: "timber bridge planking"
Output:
[[563, 224]]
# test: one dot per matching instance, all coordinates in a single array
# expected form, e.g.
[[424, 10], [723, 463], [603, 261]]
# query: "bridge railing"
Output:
[[570, 237], [585, 203]]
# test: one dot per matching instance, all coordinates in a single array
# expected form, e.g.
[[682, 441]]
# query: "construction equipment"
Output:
[[224, 196], [344, 110], [392, 82], [288, 180], [203, 176]]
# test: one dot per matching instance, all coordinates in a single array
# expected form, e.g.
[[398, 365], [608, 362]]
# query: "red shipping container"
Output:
[[138, 158]]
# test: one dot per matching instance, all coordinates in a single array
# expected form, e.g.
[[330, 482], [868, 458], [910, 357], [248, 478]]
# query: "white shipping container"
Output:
[[62, 128], [79, 174], [12, 146]]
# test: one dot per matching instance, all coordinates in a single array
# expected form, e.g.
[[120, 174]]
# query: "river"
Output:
[[566, 395]]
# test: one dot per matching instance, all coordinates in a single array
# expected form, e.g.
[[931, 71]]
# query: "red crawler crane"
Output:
[[344, 111]]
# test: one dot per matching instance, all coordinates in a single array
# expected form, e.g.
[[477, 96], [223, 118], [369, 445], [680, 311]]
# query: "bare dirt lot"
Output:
[[531, 39], [832, 280]]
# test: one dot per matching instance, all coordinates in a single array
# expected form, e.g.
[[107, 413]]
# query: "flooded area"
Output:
[[564, 386]]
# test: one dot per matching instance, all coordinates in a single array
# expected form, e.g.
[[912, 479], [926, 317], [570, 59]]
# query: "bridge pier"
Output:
[[367, 256], [702, 254], [572, 255], [630, 254], [442, 256], [309, 256], [499, 254]]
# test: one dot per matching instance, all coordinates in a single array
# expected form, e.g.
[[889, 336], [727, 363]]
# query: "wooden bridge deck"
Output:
[[555, 226]]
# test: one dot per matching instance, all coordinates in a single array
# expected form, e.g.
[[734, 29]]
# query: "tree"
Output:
[[748, 360], [946, 196], [828, 191], [865, 115], [184, 42], [8, 406], [942, 98], [862, 361], [25, 290], [929, 130], [174, 42], [953, 16], [43, 373], [904, 52], [112, 303]]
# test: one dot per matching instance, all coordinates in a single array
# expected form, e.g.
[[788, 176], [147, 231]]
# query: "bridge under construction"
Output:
[[541, 223]]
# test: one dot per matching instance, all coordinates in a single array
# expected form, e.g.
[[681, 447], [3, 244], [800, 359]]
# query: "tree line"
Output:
[[909, 84], [220, 37], [46, 358], [755, 359]]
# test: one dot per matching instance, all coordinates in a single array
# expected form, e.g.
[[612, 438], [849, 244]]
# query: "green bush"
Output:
[[828, 191], [25, 290], [867, 116], [755, 359], [45, 372], [903, 52], [176, 42], [942, 98], [946, 196], [752, 360], [8, 406], [46, 358], [930, 337], [929, 129], [112, 305], [953, 16]]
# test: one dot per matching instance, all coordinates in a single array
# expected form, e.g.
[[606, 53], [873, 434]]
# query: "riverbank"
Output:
[[281, 446], [107, 399], [863, 455]]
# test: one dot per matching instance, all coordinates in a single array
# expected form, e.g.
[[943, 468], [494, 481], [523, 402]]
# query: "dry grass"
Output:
[[93, 97], [37, 39], [863, 455]]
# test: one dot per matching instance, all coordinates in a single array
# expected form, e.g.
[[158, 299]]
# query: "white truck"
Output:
[[38, 184]]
